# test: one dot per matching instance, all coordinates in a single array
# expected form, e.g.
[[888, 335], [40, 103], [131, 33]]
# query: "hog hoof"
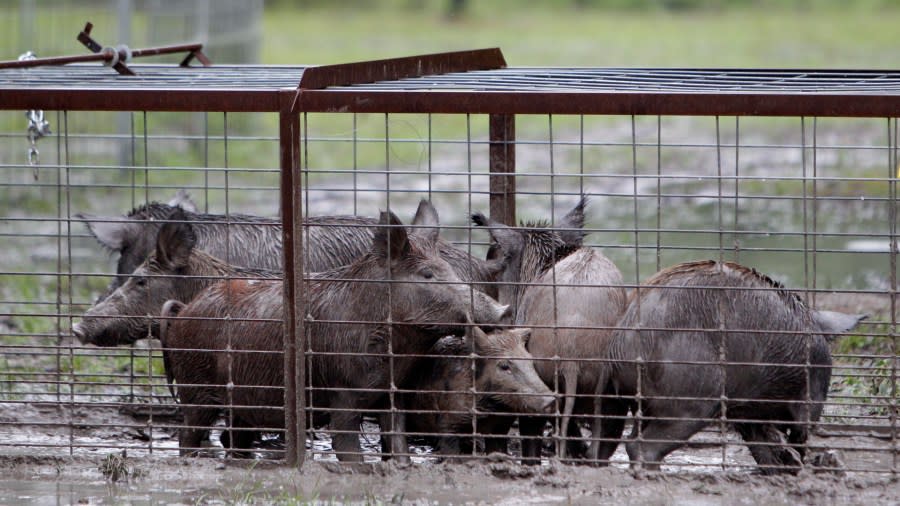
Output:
[[787, 460], [830, 461]]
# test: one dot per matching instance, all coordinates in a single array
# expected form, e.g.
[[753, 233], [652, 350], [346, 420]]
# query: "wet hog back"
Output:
[[705, 299], [256, 242], [679, 315], [596, 300]]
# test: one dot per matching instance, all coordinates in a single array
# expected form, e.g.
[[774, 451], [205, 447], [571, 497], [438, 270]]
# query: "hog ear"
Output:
[[523, 335], [183, 200], [112, 232], [450, 345], [175, 241], [833, 322], [480, 341], [506, 238], [172, 307], [391, 240], [426, 221], [573, 222]]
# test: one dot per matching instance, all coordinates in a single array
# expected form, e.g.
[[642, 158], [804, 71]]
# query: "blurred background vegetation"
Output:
[[671, 33]]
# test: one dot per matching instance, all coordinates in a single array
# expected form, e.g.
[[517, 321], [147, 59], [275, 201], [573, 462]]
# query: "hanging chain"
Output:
[[37, 127]]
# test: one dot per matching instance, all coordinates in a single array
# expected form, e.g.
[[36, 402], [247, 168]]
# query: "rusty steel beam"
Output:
[[236, 100], [614, 103], [130, 99], [503, 167], [447, 102], [399, 68], [294, 295]]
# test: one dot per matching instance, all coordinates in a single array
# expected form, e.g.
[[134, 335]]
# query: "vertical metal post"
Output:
[[124, 8], [503, 168], [294, 297]]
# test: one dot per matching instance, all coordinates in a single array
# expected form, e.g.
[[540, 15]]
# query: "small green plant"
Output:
[[114, 467]]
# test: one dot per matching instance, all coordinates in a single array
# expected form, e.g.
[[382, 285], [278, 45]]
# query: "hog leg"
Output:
[[197, 422], [797, 436], [667, 430], [346, 418], [396, 424], [570, 378], [531, 428], [606, 429], [237, 439], [496, 430], [773, 457], [798, 432], [450, 445]]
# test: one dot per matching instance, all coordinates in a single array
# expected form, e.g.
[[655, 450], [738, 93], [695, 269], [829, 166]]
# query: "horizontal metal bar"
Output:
[[607, 103], [124, 99]]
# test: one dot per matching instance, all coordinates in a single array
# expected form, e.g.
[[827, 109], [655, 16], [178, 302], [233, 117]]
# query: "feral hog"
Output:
[[572, 296], [239, 239], [401, 296], [176, 269], [707, 334], [504, 380]]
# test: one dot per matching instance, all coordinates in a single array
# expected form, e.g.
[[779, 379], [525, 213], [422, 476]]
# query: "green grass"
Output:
[[559, 34]]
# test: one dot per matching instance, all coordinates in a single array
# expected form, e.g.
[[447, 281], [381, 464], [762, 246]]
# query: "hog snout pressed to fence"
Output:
[[705, 339], [366, 323]]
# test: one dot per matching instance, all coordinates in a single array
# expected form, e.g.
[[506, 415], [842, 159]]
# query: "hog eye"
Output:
[[504, 365], [426, 273], [140, 281]]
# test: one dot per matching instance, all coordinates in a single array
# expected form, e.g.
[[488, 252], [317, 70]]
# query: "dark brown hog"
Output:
[[572, 296], [504, 380], [676, 328], [176, 269], [349, 367], [254, 241]]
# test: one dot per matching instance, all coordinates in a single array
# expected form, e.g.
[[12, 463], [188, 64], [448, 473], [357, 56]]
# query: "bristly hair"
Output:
[[688, 267], [154, 210], [539, 224]]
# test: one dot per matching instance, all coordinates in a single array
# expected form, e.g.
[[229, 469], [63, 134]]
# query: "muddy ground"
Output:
[[160, 480], [53, 454]]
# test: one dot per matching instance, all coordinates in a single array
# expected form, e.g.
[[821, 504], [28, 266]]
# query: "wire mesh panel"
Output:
[[688, 269], [76, 217], [780, 226]]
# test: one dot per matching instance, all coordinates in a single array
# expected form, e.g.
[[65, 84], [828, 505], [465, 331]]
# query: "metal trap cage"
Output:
[[791, 173]]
